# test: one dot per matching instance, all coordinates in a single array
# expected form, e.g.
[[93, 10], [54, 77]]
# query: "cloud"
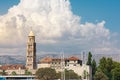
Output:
[[53, 22]]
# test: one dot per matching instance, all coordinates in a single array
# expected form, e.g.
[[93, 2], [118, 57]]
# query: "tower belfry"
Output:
[[31, 51]]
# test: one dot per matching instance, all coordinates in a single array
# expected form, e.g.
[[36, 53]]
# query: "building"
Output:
[[44, 63], [31, 52], [71, 63], [59, 64], [56, 64], [10, 68]]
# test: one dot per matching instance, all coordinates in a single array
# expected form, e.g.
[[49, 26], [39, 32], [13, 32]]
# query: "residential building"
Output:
[[10, 68], [71, 63], [44, 63]]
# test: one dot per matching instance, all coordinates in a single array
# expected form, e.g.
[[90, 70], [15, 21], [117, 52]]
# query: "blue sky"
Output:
[[90, 11], [97, 10], [85, 36]]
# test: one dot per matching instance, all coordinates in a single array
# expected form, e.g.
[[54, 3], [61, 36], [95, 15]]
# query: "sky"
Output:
[[98, 10], [71, 25]]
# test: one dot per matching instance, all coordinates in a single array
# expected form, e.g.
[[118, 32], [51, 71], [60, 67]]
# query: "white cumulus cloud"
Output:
[[52, 21]]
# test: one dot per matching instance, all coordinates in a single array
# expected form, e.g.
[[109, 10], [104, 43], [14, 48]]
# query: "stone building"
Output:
[[44, 63], [31, 52], [10, 68], [71, 63]]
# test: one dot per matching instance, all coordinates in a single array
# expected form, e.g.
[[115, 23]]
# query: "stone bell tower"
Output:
[[31, 52]]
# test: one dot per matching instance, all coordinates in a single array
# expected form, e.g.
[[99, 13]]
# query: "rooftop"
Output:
[[31, 33], [46, 60], [73, 58], [12, 67]]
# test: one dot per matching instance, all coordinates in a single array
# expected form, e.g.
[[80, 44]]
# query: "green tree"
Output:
[[116, 74], [94, 67], [116, 71], [14, 73], [85, 75], [58, 75], [69, 74], [27, 72], [102, 65], [45, 74], [3, 72], [106, 65], [99, 75], [109, 67], [116, 64], [89, 59]]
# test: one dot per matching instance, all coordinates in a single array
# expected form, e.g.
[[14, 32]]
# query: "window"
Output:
[[74, 64]]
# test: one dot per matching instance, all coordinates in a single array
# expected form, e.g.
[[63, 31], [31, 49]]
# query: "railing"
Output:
[[18, 77]]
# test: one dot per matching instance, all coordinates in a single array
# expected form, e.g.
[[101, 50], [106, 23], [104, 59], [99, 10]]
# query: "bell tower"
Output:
[[31, 52]]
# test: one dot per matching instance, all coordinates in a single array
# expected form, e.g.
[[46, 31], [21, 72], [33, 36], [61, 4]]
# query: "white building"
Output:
[[72, 63], [45, 62]]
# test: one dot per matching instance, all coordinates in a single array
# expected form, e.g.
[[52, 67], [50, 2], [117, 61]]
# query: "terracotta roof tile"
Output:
[[73, 58], [46, 60], [12, 67]]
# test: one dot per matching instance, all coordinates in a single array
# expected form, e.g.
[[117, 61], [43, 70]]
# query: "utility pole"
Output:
[[62, 66]]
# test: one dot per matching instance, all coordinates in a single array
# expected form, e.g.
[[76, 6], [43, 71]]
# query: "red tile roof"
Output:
[[46, 60], [12, 67], [73, 58]]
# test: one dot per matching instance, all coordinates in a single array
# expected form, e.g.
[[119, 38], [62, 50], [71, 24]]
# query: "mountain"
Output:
[[21, 59], [12, 59]]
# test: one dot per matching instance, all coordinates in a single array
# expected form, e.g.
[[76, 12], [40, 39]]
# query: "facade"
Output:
[[56, 64], [31, 52], [71, 63], [17, 68], [45, 63]]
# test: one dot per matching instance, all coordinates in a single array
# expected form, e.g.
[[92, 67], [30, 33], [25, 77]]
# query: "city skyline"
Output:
[[91, 26]]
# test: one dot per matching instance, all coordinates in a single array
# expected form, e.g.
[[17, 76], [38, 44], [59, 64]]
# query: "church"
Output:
[[70, 63]]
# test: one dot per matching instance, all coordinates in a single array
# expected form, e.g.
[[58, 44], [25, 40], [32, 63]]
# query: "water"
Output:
[[3, 78]]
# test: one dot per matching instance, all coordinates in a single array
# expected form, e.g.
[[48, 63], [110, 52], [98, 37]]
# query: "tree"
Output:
[[45, 74], [102, 65], [85, 75], [94, 68], [106, 65], [14, 73], [3, 72], [109, 67], [116, 64], [89, 58], [116, 71], [116, 74], [99, 75], [27, 72], [69, 74]]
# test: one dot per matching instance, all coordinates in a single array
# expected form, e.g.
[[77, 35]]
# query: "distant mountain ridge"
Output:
[[12, 59], [21, 59]]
